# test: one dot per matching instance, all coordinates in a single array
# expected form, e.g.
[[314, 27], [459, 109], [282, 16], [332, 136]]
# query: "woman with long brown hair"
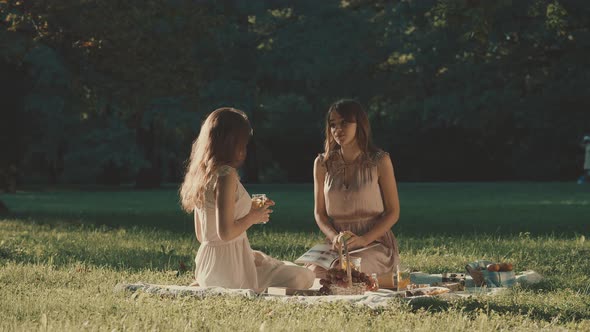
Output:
[[355, 191], [223, 211]]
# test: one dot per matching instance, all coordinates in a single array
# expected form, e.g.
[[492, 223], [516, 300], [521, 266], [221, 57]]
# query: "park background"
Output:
[[482, 106], [110, 92]]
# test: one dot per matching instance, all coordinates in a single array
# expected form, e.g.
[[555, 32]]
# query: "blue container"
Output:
[[499, 279]]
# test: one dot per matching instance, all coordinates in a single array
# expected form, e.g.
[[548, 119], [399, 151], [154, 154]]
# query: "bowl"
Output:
[[499, 279], [478, 270]]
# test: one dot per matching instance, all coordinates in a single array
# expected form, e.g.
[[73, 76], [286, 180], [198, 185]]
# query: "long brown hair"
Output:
[[351, 111], [225, 132]]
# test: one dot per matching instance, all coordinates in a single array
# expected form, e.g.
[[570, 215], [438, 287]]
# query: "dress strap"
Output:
[[379, 155], [322, 160], [331, 161], [374, 158], [225, 170]]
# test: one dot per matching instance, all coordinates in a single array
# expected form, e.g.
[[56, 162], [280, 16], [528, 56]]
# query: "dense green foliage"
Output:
[[112, 92], [62, 253]]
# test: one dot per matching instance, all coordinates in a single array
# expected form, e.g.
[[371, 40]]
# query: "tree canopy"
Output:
[[110, 92]]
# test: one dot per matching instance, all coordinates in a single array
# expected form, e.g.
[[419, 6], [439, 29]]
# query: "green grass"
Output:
[[508, 208], [62, 252]]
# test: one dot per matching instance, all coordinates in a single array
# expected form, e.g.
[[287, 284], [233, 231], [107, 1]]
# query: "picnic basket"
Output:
[[350, 288], [482, 277]]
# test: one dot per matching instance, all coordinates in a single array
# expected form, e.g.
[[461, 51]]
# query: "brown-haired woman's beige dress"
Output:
[[233, 264], [354, 203]]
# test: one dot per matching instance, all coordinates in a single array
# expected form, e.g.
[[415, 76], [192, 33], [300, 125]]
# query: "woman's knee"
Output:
[[302, 278], [319, 272], [305, 278]]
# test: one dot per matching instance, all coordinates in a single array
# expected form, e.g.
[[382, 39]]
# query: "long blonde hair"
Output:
[[223, 134]]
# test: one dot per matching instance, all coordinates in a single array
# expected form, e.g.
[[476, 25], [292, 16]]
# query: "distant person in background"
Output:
[[223, 211], [586, 146], [355, 190]]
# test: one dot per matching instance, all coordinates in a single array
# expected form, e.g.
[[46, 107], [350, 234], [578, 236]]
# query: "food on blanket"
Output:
[[403, 284], [427, 291], [355, 263], [502, 267], [403, 278], [415, 286], [452, 286], [495, 274], [453, 277], [476, 274], [338, 277], [386, 280], [493, 267]]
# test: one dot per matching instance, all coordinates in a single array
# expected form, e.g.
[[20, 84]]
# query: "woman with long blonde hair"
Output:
[[223, 211], [355, 191]]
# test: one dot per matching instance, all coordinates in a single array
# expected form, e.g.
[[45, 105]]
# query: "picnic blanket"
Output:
[[525, 277], [175, 290], [375, 299]]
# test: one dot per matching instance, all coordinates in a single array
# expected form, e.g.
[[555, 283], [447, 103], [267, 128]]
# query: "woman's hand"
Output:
[[260, 214], [336, 242], [356, 242], [353, 241]]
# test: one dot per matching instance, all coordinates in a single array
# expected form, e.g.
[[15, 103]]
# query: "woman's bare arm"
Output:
[[225, 204], [197, 226], [320, 213]]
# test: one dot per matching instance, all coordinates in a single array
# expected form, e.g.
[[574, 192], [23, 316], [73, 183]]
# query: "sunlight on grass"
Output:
[[63, 276], [62, 253], [557, 203]]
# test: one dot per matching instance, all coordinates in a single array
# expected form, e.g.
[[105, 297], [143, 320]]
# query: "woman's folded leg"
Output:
[[291, 276], [275, 273]]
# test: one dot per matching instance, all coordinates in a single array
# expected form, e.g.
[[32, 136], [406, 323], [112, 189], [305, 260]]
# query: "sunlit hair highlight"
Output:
[[351, 111], [223, 134]]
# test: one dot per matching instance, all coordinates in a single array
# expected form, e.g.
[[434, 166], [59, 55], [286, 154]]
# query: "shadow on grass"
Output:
[[183, 223], [167, 222], [499, 227], [118, 259], [475, 305], [288, 252], [171, 222]]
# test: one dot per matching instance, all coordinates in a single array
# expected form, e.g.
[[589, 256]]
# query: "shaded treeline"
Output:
[[111, 92]]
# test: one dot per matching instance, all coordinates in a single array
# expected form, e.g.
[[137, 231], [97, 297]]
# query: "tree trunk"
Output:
[[3, 209]]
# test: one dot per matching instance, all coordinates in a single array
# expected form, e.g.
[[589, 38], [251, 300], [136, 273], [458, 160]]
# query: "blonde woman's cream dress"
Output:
[[233, 264]]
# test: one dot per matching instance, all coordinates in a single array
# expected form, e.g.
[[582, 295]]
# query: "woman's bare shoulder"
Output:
[[224, 170], [380, 155], [320, 160]]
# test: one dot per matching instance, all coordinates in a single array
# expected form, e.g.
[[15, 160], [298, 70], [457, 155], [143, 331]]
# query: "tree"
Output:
[[13, 125], [497, 85], [3, 209]]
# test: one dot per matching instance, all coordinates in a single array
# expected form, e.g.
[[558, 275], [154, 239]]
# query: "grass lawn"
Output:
[[63, 251]]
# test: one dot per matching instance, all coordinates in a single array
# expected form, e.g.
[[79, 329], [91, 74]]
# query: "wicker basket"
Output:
[[357, 288], [482, 277], [476, 275]]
